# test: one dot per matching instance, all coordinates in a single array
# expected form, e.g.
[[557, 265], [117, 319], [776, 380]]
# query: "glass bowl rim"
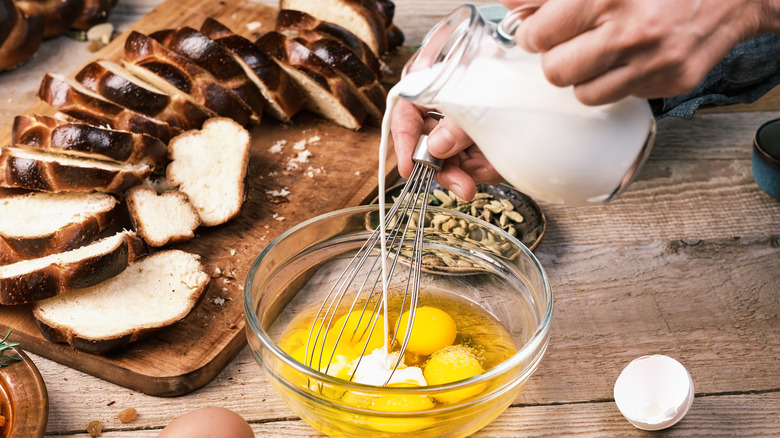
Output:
[[538, 338]]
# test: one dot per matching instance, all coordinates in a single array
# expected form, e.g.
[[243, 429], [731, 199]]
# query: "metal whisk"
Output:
[[403, 231]]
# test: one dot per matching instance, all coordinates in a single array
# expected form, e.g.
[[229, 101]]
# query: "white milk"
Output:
[[539, 137]]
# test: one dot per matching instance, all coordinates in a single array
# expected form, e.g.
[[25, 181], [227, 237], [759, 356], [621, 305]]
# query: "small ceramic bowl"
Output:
[[766, 158]]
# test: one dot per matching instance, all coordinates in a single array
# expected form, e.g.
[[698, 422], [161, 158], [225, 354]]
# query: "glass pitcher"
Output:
[[539, 137]]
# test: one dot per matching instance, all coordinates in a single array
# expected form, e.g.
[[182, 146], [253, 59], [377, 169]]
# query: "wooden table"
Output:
[[686, 263]]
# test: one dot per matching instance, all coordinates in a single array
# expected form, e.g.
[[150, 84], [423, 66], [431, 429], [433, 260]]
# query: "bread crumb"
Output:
[[217, 272], [127, 415], [277, 217], [357, 173], [232, 252], [311, 171], [266, 226], [314, 139], [277, 147], [300, 145], [218, 300], [95, 428], [254, 25], [272, 174], [284, 191], [302, 157]]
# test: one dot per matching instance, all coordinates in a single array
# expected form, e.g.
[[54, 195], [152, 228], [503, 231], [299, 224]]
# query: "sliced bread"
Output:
[[168, 218], [152, 293], [35, 170], [77, 101], [360, 79], [358, 16], [215, 59], [209, 166], [31, 280], [169, 71], [294, 24], [283, 98], [327, 93], [83, 140], [37, 224], [118, 85]]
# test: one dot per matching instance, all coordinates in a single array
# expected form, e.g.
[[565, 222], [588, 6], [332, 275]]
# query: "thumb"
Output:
[[447, 139]]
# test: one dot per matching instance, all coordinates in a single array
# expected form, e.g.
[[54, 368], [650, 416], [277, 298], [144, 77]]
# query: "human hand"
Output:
[[608, 50], [464, 165]]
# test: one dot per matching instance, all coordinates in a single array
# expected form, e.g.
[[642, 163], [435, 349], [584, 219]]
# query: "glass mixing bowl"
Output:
[[295, 272]]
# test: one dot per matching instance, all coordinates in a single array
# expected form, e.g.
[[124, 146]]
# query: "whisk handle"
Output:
[[421, 154]]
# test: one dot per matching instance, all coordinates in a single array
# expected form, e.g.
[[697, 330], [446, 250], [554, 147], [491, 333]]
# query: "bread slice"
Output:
[[283, 98], [361, 80], [82, 140], [327, 93], [77, 101], [168, 218], [293, 24], [215, 59], [31, 280], [37, 224], [35, 170], [118, 85], [169, 71], [152, 293], [209, 166], [358, 16]]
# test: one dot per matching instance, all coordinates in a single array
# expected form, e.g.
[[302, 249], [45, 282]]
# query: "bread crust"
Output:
[[24, 38], [61, 277], [291, 23], [215, 59], [44, 172], [147, 58], [14, 248], [72, 99], [140, 224], [361, 80], [293, 55], [58, 15], [364, 20], [283, 98], [62, 333], [108, 80], [94, 12], [80, 139]]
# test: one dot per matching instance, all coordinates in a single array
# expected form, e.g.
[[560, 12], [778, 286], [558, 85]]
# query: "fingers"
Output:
[[464, 171], [407, 126], [554, 22], [447, 139]]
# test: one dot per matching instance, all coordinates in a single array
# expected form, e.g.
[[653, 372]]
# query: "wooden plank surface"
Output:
[[685, 263], [341, 172]]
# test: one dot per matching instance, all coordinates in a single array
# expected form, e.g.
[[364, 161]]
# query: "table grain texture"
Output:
[[686, 263]]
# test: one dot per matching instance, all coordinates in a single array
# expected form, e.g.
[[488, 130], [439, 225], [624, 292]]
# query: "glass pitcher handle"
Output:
[[506, 28]]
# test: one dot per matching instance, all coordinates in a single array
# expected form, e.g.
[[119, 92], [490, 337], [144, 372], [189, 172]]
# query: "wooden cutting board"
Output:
[[341, 172]]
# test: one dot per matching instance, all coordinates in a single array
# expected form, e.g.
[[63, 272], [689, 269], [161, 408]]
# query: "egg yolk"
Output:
[[432, 329], [325, 350], [360, 330], [449, 365], [401, 403]]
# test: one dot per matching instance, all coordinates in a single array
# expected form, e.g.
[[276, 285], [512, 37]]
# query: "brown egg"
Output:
[[211, 422]]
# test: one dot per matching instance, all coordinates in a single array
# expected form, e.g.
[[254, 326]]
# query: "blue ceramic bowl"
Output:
[[766, 158]]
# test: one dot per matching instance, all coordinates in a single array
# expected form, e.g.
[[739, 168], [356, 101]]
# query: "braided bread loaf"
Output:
[[25, 23]]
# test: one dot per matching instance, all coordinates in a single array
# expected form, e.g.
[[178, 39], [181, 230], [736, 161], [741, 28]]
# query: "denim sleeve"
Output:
[[749, 71]]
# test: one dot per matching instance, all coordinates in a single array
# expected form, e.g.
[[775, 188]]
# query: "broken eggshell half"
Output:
[[654, 392]]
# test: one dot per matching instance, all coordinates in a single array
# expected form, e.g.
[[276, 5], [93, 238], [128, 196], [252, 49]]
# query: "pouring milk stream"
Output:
[[539, 137]]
